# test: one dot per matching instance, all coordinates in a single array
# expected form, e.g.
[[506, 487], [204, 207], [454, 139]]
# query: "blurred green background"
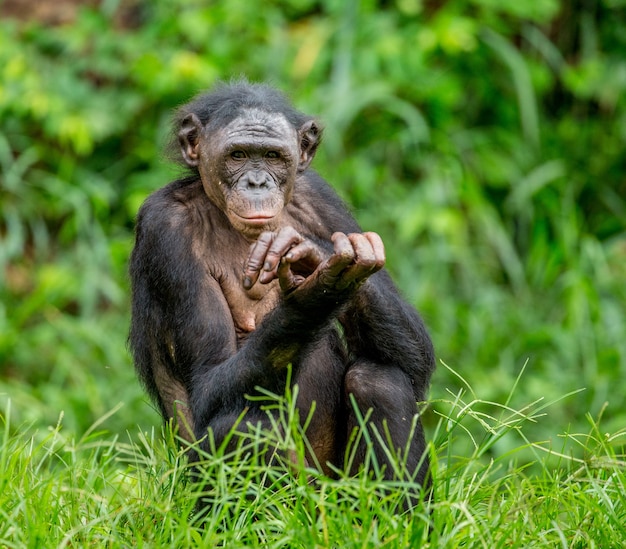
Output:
[[483, 139]]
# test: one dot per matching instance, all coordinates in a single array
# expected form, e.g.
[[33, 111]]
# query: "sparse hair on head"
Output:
[[225, 101]]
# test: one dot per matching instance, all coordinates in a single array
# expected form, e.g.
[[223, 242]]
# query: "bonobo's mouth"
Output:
[[258, 220]]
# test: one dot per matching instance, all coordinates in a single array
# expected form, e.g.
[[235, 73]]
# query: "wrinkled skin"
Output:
[[300, 265], [249, 167], [253, 265]]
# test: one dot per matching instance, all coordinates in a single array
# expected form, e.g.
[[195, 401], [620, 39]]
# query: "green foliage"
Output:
[[484, 140]]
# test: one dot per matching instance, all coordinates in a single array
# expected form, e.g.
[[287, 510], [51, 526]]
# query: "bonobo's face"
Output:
[[249, 168]]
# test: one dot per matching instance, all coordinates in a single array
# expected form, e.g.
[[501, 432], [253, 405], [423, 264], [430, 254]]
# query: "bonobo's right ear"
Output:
[[189, 138]]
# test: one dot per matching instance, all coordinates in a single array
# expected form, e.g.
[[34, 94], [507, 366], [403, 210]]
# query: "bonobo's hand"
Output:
[[356, 257], [305, 271], [287, 246]]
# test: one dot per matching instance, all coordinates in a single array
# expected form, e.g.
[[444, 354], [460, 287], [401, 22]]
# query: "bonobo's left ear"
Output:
[[310, 135]]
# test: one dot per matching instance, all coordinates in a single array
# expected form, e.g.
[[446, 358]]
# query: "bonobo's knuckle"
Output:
[[290, 233], [347, 255], [253, 264], [266, 237], [367, 263], [285, 239], [363, 250], [340, 240], [377, 245], [371, 236], [336, 264]]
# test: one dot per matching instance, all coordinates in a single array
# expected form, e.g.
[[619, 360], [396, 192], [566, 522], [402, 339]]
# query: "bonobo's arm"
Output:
[[378, 323]]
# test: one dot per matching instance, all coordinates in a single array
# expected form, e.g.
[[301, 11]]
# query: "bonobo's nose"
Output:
[[257, 178]]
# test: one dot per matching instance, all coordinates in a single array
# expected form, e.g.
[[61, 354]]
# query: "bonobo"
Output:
[[251, 263]]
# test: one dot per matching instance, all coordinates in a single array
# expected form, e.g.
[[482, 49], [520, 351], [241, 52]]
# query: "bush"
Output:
[[482, 140]]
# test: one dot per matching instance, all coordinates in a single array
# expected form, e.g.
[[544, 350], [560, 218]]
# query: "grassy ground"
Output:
[[103, 491]]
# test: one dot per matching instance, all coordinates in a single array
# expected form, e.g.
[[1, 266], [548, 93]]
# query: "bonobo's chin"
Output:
[[252, 227]]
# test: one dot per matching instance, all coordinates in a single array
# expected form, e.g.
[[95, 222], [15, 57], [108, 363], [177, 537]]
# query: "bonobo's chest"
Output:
[[248, 308]]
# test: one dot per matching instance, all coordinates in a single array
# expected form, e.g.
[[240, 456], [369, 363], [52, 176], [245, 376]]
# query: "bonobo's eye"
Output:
[[238, 155], [272, 155]]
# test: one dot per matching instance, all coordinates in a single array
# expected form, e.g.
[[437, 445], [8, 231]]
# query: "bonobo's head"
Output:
[[248, 144]]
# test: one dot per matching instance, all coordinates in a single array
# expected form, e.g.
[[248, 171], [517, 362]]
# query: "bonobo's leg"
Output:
[[387, 391], [319, 373], [320, 379]]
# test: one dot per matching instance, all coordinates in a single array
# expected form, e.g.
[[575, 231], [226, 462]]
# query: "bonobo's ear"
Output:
[[189, 137], [310, 135]]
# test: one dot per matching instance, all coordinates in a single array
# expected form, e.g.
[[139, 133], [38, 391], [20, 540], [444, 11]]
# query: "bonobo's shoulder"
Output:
[[175, 193], [318, 202], [171, 202]]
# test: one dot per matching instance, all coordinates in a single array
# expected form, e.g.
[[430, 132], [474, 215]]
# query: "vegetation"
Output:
[[484, 140], [100, 491]]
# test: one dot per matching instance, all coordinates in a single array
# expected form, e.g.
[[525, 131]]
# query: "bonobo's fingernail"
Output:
[[247, 282], [267, 266]]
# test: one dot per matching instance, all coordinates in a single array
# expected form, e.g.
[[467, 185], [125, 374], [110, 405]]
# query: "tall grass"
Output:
[[99, 490], [498, 222]]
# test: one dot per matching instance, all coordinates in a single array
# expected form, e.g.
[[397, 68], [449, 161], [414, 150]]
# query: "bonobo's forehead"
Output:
[[253, 124]]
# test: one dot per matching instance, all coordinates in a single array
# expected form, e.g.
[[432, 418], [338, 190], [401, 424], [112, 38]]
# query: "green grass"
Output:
[[102, 491]]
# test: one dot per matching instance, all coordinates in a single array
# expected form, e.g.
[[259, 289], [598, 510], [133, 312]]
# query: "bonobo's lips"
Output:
[[257, 220]]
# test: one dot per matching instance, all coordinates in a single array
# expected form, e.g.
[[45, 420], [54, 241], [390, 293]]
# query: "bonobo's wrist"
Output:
[[365, 288], [315, 307]]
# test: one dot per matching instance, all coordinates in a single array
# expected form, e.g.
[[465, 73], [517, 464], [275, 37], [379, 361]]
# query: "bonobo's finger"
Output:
[[256, 259], [343, 255], [284, 240], [369, 258], [342, 245], [363, 250], [288, 280], [364, 262], [306, 257], [378, 247]]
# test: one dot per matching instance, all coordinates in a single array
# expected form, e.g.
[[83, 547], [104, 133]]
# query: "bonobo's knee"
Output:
[[387, 391], [379, 387]]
